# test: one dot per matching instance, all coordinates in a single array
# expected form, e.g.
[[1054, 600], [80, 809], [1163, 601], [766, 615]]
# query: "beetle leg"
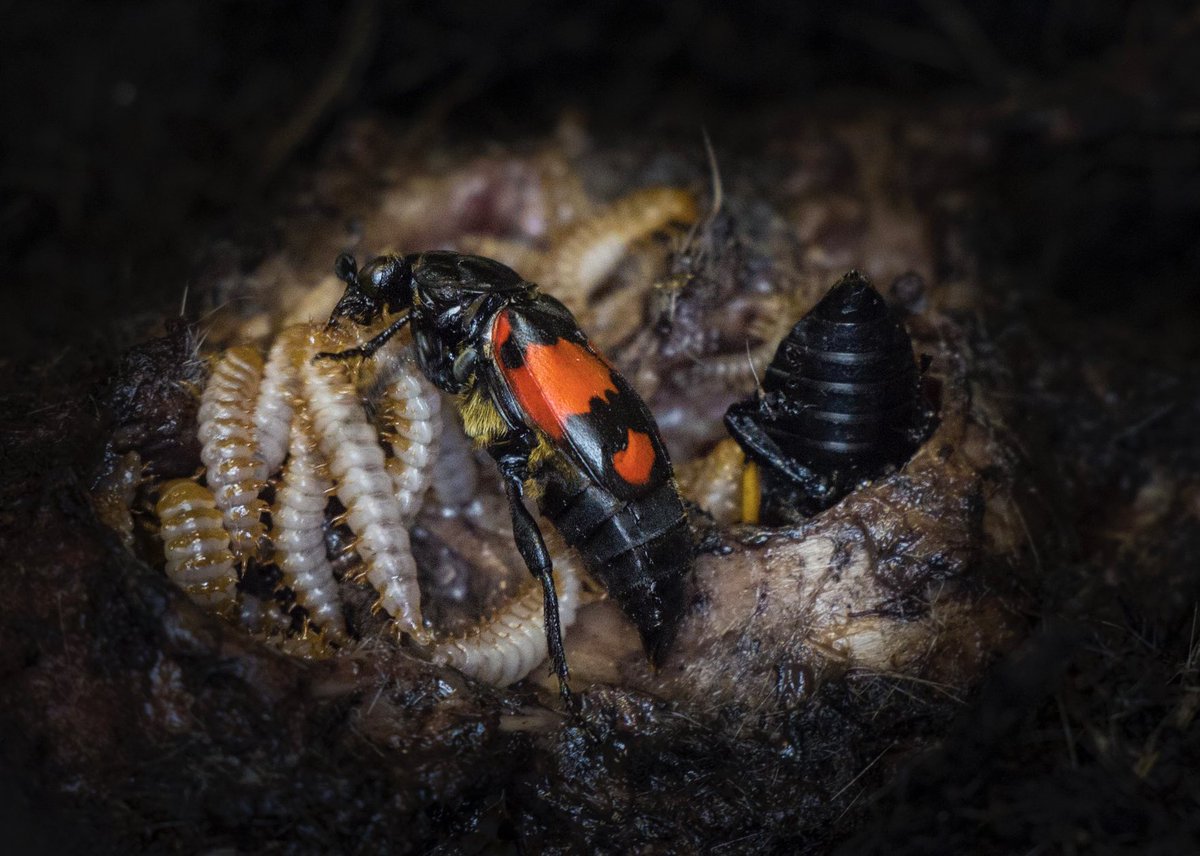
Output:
[[512, 456], [464, 365], [368, 348], [743, 423]]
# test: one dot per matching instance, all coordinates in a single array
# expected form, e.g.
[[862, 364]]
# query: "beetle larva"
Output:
[[409, 414], [508, 646], [113, 495], [733, 370], [592, 248], [740, 369], [363, 485], [273, 410], [841, 402], [235, 472], [455, 473], [268, 621], [298, 529], [714, 482], [196, 544]]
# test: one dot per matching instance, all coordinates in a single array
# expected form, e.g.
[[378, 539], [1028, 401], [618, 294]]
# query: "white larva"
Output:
[[741, 369], [267, 621], [298, 529], [590, 252], [512, 642], [455, 472], [234, 471], [331, 447], [196, 544], [410, 418], [363, 485], [278, 391]]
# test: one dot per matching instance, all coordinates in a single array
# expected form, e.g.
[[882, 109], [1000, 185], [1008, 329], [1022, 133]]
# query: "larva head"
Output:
[[384, 284]]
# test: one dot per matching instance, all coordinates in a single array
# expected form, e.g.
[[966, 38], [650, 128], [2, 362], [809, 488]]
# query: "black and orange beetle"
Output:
[[841, 403], [553, 414]]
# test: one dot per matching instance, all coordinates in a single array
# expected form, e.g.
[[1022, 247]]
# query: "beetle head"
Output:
[[384, 284]]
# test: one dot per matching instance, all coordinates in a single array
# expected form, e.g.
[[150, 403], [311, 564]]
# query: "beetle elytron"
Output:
[[554, 415]]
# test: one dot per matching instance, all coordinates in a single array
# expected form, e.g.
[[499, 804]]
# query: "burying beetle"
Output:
[[841, 403], [556, 417]]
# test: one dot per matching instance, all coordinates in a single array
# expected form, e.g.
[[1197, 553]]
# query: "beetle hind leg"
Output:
[[537, 558], [532, 547]]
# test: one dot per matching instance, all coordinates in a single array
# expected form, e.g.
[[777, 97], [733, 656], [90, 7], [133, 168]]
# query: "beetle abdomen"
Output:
[[846, 382], [841, 401], [640, 550]]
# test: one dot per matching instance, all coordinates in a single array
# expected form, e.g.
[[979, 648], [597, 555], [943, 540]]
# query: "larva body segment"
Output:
[[705, 346], [410, 418], [278, 391], [735, 371], [508, 646], [235, 472], [714, 482], [196, 544], [455, 474], [363, 485], [269, 622], [741, 370], [298, 529], [590, 252]]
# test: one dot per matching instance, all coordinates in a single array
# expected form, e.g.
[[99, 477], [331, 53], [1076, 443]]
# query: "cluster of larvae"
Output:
[[335, 444], [310, 432]]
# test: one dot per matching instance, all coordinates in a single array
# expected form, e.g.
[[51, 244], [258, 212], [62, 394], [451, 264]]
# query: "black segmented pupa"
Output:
[[841, 403]]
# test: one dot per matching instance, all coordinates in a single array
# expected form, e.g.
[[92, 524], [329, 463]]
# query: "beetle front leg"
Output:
[[742, 422], [368, 348], [512, 456]]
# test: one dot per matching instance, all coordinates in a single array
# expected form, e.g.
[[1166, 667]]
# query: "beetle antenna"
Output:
[[718, 188], [345, 268], [753, 369]]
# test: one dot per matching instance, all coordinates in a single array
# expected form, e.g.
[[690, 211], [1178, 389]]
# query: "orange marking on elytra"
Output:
[[636, 460], [556, 381]]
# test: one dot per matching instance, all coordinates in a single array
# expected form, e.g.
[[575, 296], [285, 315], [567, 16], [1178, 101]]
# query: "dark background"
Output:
[[137, 134]]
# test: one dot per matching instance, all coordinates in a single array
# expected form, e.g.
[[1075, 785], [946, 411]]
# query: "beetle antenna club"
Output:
[[345, 267]]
